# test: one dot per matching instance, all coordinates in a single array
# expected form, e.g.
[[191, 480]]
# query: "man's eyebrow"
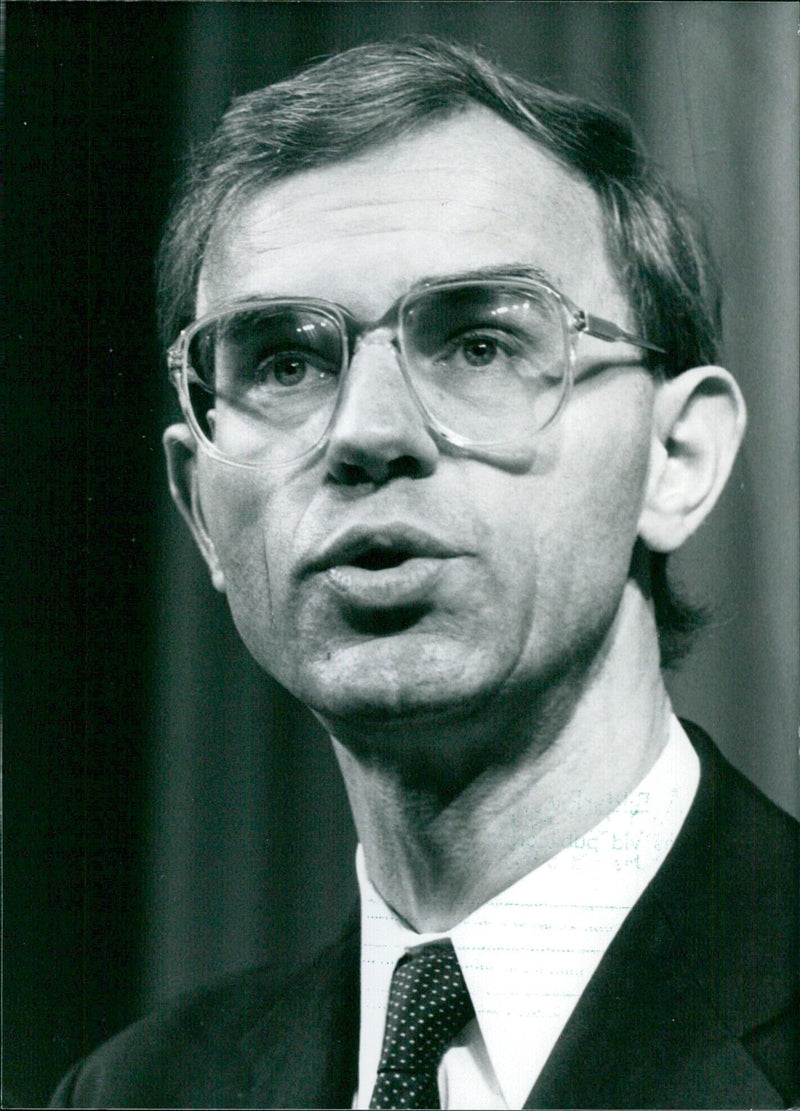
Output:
[[500, 270]]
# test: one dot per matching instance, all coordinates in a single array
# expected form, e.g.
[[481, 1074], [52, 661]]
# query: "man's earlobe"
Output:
[[699, 419], [181, 452]]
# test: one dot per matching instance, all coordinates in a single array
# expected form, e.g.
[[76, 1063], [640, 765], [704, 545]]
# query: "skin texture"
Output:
[[521, 699]]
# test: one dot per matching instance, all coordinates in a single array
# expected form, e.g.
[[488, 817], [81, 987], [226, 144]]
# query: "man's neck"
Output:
[[436, 857]]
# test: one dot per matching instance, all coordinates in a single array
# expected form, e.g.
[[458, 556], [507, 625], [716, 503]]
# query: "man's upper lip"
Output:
[[407, 541]]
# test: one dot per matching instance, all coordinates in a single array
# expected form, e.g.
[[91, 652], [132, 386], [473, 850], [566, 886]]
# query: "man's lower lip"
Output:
[[407, 584]]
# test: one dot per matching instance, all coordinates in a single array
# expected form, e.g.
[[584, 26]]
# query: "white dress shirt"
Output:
[[529, 953]]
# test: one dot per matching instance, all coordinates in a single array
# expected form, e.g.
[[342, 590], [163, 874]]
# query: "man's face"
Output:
[[510, 574]]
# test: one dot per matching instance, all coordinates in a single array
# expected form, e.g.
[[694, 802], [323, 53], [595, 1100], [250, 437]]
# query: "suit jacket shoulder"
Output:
[[251, 1040]]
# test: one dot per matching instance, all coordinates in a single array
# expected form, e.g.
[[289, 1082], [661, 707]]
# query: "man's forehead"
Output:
[[466, 192]]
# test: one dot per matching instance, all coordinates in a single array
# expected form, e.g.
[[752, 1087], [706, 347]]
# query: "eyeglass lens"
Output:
[[487, 362]]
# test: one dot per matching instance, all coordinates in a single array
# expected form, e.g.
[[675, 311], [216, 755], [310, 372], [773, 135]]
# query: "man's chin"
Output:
[[398, 682]]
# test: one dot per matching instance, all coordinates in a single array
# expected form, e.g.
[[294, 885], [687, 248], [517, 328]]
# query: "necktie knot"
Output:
[[428, 1005]]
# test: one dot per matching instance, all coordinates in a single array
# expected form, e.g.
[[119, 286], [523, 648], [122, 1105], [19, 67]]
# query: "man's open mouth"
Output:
[[380, 559], [394, 567], [380, 549]]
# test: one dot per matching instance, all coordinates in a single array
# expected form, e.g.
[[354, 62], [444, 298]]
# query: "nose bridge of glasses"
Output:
[[381, 336]]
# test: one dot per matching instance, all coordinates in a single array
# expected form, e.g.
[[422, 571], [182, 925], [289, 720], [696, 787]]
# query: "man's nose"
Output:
[[378, 431]]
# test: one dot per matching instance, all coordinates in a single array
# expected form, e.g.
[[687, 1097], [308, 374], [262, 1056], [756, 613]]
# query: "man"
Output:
[[446, 353]]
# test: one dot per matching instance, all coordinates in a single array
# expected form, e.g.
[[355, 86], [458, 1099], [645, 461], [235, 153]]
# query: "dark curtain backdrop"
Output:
[[170, 813]]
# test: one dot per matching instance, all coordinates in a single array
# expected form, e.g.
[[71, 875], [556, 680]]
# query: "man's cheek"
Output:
[[224, 486], [235, 515], [248, 586]]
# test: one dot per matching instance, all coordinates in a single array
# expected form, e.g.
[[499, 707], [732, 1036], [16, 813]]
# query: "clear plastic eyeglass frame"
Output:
[[575, 322]]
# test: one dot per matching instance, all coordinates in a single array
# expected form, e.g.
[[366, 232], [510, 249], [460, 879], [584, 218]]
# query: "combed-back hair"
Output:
[[378, 93]]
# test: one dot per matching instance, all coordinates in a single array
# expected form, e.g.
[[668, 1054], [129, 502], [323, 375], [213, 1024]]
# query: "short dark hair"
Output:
[[377, 93]]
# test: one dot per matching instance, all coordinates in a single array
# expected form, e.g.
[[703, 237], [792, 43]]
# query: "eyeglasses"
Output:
[[488, 362]]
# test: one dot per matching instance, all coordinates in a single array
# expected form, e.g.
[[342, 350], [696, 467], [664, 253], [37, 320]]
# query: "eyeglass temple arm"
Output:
[[604, 329]]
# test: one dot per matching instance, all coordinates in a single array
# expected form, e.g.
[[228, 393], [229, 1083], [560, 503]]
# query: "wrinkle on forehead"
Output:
[[451, 199]]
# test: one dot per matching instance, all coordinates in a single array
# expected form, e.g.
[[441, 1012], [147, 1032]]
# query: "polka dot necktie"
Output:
[[428, 1005]]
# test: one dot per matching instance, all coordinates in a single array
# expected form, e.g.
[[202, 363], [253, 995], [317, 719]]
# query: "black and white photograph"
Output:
[[402, 645]]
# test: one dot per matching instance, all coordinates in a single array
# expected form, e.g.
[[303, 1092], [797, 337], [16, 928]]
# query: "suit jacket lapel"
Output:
[[644, 1035], [660, 1024]]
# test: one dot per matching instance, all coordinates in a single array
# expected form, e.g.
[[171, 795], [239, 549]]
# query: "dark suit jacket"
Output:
[[694, 1005]]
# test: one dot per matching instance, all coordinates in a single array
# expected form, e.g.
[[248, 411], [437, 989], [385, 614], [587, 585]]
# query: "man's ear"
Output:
[[181, 451], [699, 419]]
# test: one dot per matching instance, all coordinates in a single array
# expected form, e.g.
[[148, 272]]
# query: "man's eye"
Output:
[[290, 368], [479, 351]]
